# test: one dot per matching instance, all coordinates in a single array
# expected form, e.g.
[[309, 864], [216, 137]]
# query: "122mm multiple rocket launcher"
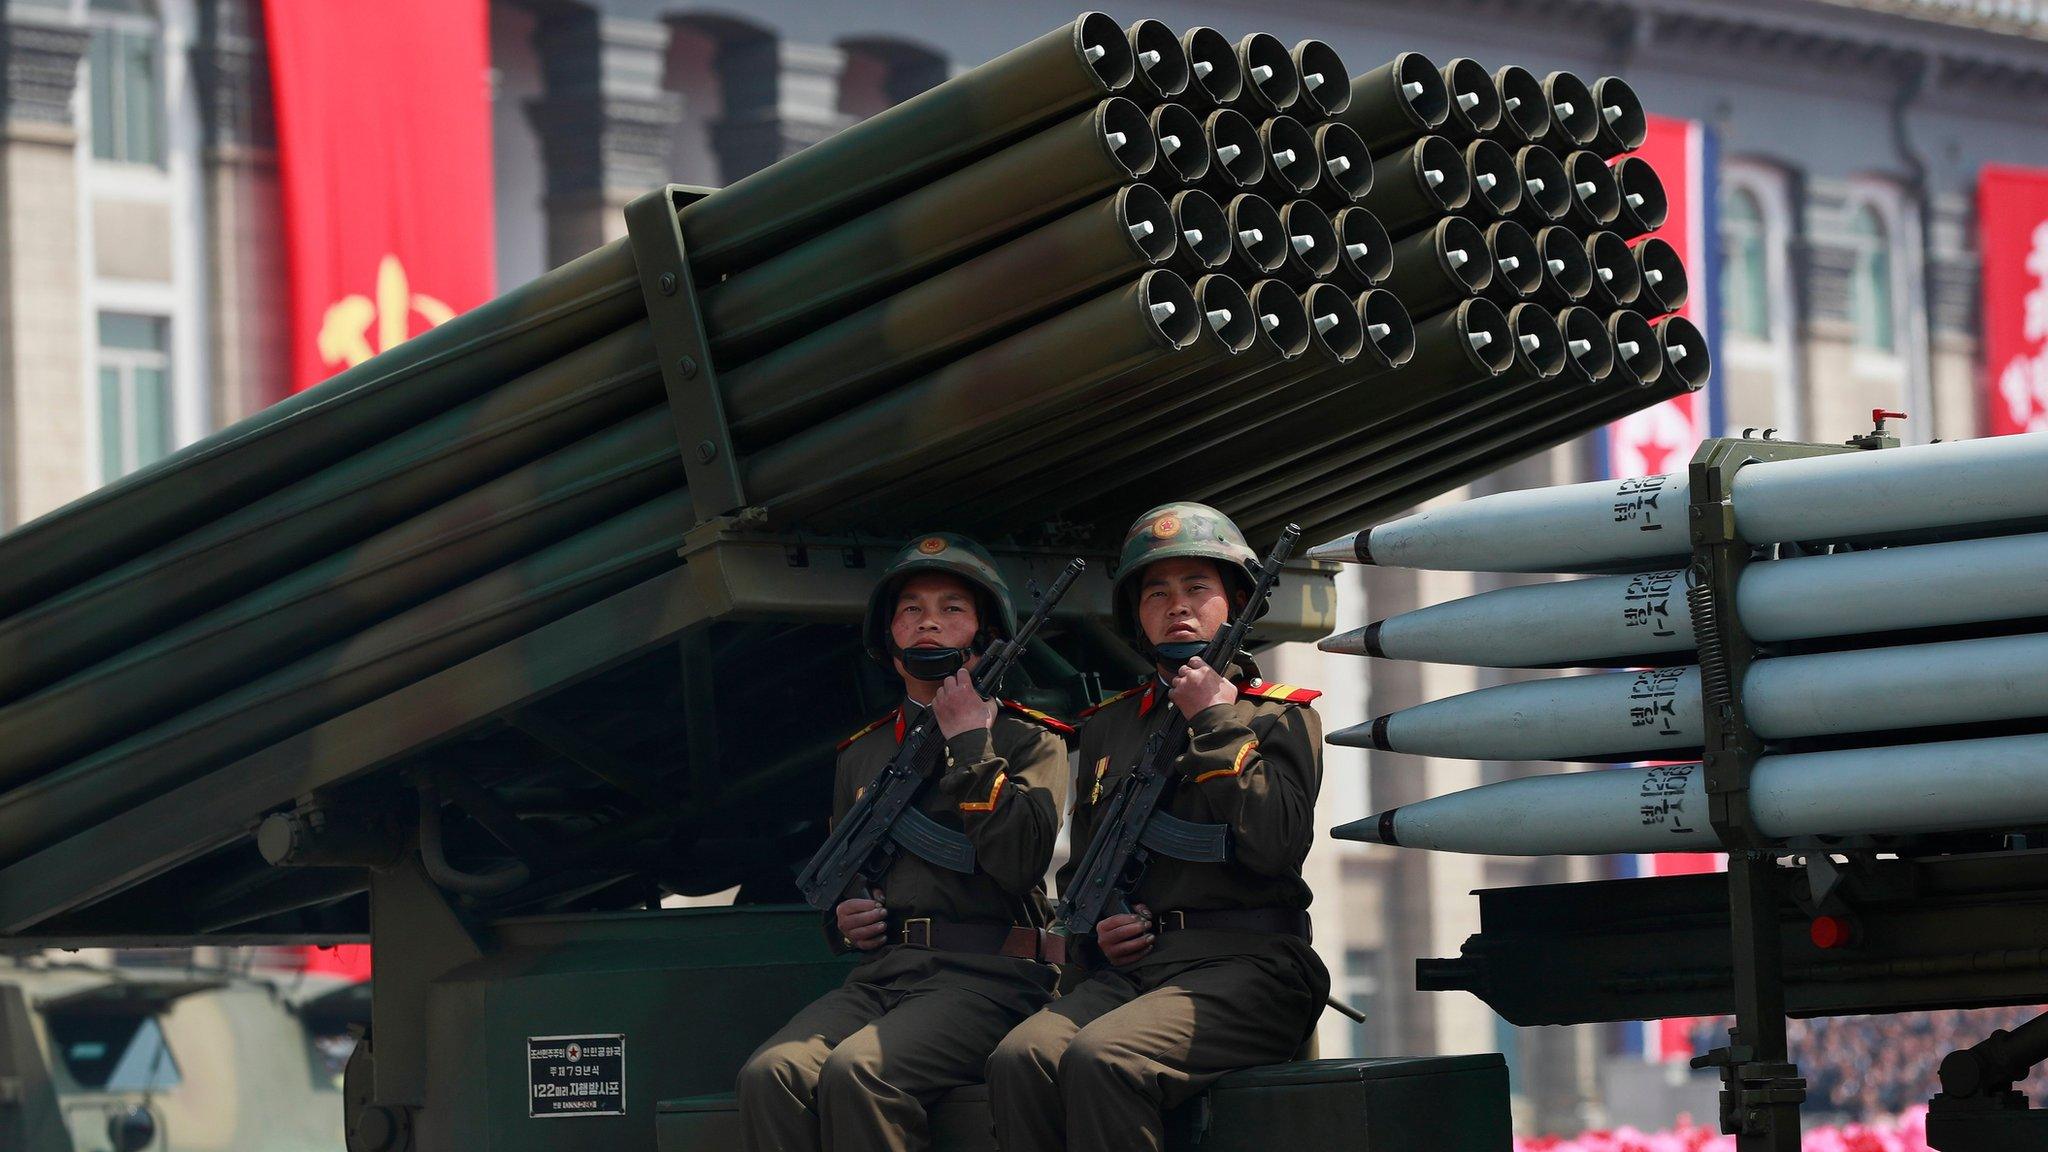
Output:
[[549, 612], [1853, 643]]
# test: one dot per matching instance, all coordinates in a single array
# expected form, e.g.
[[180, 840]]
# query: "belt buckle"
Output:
[[926, 921], [1173, 920]]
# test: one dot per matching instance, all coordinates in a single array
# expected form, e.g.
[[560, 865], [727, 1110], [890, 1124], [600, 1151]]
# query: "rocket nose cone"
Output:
[[1377, 829], [1352, 549], [1350, 643], [1371, 735]]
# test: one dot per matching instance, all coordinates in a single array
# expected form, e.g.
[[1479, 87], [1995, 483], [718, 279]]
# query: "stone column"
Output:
[[780, 98], [603, 119], [245, 241], [45, 456]]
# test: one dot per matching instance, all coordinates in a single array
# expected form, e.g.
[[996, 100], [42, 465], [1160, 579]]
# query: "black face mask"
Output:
[[1179, 652], [932, 664]]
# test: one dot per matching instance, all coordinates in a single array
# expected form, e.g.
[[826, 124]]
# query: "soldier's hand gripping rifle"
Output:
[[883, 821], [1131, 826]]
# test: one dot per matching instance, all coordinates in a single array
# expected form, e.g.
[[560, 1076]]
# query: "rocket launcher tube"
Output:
[[1325, 81], [453, 541], [882, 251], [1184, 155], [1623, 126], [1640, 357], [1311, 254], [1131, 447], [908, 145], [1258, 241], [1496, 183], [1643, 208], [1574, 121], [1617, 279], [1596, 196], [1365, 253], [1950, 786], [261, 541], [1474, 108], [1433, 270], [1346, 166], [1338, 337], [1517, 265], [1239, 156], [1684, 350], [1062, 361], [1468, 343], [1291, 166], [1567, 273], [1589, 349], [1389, 330], [1958, 484], [1397, 102], [1161, 70], [1272, 82], [1214, 78], [1664, 282], [852, 360], [1546, 189], [1538, 343], [1524, 109], [1202, 232], [1414, 186], [614, 554]]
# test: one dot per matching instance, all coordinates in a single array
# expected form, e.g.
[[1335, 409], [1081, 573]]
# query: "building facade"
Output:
[[141, 266]]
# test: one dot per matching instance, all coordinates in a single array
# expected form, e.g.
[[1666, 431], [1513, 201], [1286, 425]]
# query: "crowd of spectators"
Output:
[[1867, 1067]]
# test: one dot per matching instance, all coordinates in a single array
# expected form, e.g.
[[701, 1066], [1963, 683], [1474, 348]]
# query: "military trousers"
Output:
[[1094, 1071], [856, 1069]]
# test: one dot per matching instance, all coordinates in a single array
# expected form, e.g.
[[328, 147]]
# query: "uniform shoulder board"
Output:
[[1045, 720], [888, 717], [1123, 695], [1284, 693]]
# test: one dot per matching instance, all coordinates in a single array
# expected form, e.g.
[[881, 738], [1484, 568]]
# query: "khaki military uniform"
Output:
[[1093, 1071], [857, 1068]]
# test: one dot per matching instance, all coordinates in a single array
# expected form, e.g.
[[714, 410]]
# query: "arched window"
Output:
[[127, 80], [1745, 268], [1870, 281]]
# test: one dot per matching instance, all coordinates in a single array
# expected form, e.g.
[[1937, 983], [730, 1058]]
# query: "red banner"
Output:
[[2012, 235], [384, 142]]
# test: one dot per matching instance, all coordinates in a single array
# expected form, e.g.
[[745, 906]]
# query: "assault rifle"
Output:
[[882, 821], [1132, 826]]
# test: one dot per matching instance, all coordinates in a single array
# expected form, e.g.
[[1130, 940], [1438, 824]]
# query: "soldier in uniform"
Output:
[[1211, 970], [950, 961]]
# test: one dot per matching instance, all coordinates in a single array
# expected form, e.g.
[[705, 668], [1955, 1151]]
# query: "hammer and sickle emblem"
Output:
[[345, 328]]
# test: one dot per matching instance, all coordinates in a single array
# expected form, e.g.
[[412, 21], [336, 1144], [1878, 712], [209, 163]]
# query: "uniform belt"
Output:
[[1282, 921], [986, 939]]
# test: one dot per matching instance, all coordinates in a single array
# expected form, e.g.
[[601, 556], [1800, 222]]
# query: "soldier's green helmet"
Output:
[[1177, 530], [947, 552]]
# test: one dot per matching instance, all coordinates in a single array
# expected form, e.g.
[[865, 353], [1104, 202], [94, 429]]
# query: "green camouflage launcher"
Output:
[[483, 647]]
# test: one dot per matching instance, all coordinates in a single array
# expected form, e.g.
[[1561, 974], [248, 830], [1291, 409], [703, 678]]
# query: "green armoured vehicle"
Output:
[[482, 649]]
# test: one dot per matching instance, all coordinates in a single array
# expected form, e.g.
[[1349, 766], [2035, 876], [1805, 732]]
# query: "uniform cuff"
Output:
[[969, 748]]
